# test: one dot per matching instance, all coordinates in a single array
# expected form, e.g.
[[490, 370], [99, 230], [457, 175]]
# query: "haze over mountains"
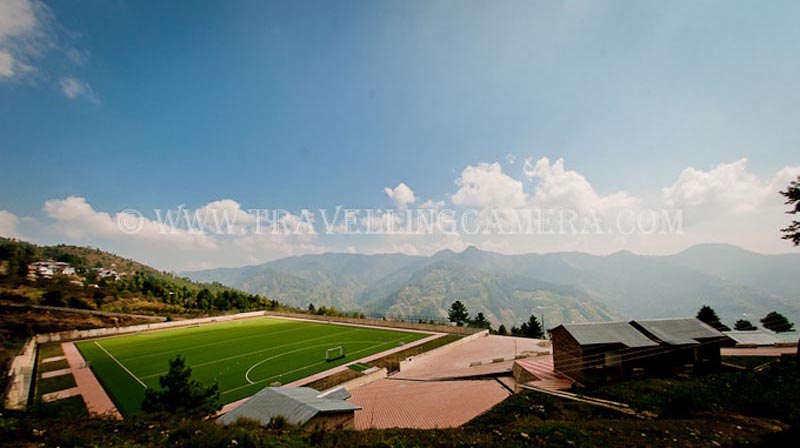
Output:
[[563, 287]]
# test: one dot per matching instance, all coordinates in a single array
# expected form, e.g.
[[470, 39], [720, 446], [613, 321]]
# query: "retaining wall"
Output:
[[365, 379], [100, 332], [21, 377], [406, 363]]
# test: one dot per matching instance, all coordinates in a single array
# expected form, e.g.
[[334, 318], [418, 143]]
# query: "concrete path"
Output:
[[53, 359], [476, 357], [424, 404], [54, 373], [61, 394], [97, 400], [759, 351]]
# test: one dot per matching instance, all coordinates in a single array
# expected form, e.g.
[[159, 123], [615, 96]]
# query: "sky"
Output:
[[114, 105]]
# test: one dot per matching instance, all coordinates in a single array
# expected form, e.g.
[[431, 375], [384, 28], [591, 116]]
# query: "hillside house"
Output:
[[614, 350], [586, 351], [684, 342], [49, 269], [301, 406]]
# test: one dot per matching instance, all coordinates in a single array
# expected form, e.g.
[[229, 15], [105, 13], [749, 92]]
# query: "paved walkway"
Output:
[[473, 358], [54, 373], [61, 394], [53, 359], [394, 403], [759, 351], [96, 399]]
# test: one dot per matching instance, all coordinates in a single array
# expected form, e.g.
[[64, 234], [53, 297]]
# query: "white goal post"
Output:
[[332, 354]]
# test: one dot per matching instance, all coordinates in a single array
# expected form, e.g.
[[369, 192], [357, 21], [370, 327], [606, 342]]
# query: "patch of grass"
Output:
[[56, 383], [50, 350], [241, 356], [773, 393], [71, 408], [55, 365]]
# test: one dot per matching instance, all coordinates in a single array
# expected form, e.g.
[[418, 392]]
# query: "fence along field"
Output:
[[242, 356]]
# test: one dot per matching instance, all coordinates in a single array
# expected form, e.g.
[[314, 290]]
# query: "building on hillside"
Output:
[[49, 269], [613, 350], [583, 352], [108, 274], [301, 406], [685, 341]]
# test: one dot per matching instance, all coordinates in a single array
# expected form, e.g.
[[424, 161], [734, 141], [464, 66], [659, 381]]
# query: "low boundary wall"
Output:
[[111, 331], [21, 377], [408, 362], [430, 328]]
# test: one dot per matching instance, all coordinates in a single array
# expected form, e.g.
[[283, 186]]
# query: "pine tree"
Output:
[[501, 330], [480, 321], [744, 325], [792, 194], [777, 322], [181, 396], [532, 328], [458, 313], [709, 316]]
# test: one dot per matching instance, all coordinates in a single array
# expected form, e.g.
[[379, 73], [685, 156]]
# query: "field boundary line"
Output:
[[208, 363], [209, 344], [352, 324], [378, 344], [120, 364], [327, 344]]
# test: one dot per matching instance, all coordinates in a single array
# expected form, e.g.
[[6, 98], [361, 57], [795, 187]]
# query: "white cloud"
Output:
[[486, 185], [6, 64], [74, 88], [726, 188], [20, 35], [402, 195], [557, 187], [8, 224]]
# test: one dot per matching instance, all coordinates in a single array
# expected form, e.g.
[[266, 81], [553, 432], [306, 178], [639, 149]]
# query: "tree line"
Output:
[[459, 315], [773, 321]]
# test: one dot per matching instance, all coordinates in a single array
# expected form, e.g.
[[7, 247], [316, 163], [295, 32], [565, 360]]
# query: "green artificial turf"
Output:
[[242, 356]]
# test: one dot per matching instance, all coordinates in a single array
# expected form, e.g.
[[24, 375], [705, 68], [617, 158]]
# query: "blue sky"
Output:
[[313, 104]]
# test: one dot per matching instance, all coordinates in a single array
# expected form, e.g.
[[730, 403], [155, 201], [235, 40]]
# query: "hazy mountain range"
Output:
[[563, 287]]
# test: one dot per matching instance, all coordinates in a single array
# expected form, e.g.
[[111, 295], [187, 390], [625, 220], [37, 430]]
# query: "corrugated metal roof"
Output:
[[751, 337], [608, 333], [685, 331], [297, 404]]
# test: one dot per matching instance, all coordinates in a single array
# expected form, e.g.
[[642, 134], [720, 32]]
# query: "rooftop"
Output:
[[683, 331], [608, 333], [297, 404]]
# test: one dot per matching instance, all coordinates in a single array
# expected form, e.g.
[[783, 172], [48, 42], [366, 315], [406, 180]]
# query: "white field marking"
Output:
[[120, 364], [181, 350], [257, 351], [305, 367], [327, 344]]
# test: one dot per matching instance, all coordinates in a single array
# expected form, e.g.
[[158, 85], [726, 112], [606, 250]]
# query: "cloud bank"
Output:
[[726, 203]]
